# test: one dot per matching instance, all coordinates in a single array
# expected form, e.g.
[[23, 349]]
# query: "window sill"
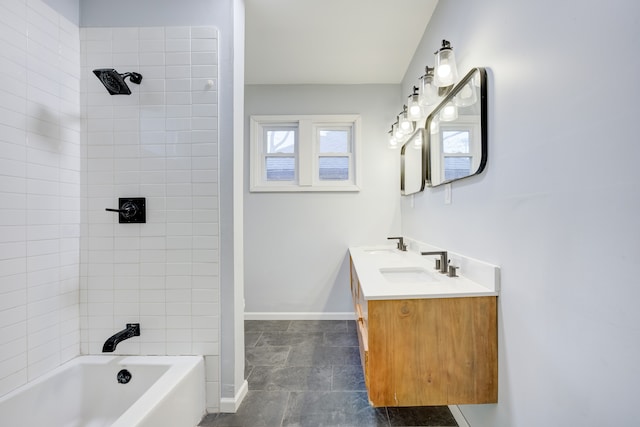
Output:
[[302, 189]]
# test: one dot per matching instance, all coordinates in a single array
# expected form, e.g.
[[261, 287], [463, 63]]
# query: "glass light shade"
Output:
[[467, 96], [414, 108], [428, 90], [397, 132], [392, 141], [449, 112], [406, 125], [435, 125], [446, 72]]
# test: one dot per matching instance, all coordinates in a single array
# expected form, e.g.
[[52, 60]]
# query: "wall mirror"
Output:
[[456, 132], [412, 164]]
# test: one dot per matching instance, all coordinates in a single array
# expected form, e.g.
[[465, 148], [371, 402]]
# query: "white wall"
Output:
[[39, 191], [296, 243], [557, 207]]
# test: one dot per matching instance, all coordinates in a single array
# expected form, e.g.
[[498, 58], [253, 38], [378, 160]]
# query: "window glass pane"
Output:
[[456, 167], [280, 168], [334, 168], [455, 141], [334, 141], [280, 140]]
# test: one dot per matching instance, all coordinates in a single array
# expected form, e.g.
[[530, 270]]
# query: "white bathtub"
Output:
[[164, 391]]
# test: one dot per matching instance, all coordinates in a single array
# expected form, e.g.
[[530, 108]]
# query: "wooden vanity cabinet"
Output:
[[427, 351]]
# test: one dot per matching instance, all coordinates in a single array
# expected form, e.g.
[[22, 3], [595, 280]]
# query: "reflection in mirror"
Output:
[[457, 137], [412, 164]]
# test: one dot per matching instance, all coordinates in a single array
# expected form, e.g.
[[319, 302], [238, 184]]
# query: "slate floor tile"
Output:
[[332, 409], [266, 356], [251, 338], [258, 409], [318, 326], [348, 378], [266, 325], [280, 338], [317, 355], [344, 339], [298, 378]]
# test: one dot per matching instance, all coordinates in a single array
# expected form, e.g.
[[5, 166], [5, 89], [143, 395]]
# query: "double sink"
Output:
[[388, 273]]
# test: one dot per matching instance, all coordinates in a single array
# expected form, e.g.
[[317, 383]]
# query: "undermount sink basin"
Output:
[[379, 251], [408, 275]]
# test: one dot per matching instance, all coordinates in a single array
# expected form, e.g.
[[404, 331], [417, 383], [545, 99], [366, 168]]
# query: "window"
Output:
[[305, 153], [456, 154]]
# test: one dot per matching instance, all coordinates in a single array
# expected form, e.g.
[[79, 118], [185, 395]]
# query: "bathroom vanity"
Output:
[[425, 338]]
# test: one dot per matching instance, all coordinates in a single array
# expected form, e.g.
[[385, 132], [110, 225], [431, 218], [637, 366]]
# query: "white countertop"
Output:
[[371, 261]]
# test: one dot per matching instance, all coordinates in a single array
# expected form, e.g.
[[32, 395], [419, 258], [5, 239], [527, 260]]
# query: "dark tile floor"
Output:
[[307, 374]]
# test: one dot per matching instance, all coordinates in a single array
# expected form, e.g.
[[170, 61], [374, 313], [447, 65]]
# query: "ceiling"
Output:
[[332, 41]]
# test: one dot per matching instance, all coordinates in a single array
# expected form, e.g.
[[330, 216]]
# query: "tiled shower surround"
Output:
[[70, 275], [159, 143], [39, 191]]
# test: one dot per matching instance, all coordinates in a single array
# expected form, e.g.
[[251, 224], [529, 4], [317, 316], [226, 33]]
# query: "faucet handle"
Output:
[[452, 271], [401, 245]]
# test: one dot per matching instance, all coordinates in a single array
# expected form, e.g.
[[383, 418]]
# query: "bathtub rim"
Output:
[[179, 368]]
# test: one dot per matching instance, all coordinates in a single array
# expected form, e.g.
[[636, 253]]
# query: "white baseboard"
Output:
[[231, 405], [457, 414], [257, 315]]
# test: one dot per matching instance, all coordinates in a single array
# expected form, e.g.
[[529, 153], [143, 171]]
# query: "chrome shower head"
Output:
[[114, 81]]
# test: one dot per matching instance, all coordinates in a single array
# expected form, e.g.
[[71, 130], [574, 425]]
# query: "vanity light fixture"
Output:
[[428, 90], [393, 142], [436, 82], [397, 132], [405, 123], [446, 72], [415, 109]]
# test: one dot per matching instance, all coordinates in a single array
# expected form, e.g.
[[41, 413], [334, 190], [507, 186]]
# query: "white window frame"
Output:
[[307, 153]]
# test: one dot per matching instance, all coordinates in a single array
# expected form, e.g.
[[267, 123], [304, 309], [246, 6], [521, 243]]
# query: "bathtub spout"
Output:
[[132, 330]]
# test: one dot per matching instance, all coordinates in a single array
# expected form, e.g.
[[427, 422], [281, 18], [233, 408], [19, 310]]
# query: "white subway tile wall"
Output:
[[160, 142], [40, 136]]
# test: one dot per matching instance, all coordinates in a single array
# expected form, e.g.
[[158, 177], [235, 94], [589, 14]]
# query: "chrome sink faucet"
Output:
[[441, 263], [401, 246]]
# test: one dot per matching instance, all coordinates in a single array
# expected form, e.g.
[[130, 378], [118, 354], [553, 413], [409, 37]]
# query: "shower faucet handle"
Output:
[[132, 210]]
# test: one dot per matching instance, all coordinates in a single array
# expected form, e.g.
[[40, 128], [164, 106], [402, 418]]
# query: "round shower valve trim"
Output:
[[131, 210]]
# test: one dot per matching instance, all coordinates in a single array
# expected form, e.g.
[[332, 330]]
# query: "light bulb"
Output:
[[406, 125], [397, 132], [449, 113], [393, 142], [446, 72], [466, 96], [414, 109], [435, 126]]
